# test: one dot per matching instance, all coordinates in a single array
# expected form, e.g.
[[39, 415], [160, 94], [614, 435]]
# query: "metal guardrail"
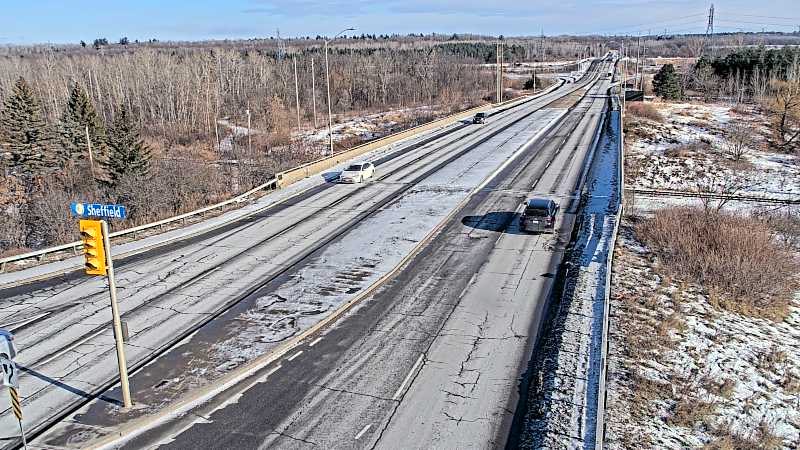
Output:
[[274, 183], [77, 245], [601, 394], [711, 195]]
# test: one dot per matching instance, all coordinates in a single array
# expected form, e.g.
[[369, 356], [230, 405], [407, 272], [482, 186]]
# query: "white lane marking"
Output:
[[408, 377], [469, 284], [11, 326], [70, 348], [363, 430], [295, 355], [263, 378], [315, 341]]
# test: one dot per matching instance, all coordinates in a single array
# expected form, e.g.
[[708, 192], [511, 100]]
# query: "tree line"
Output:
[[141, 126], [767, 78]]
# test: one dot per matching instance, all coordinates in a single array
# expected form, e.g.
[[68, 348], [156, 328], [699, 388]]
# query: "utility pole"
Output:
[[497, 73], [313, 94], [502, 51], [296, 95], [638, 47]]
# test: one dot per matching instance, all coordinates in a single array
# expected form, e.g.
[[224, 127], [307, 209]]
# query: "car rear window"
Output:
[[535, 212], [354, 168]]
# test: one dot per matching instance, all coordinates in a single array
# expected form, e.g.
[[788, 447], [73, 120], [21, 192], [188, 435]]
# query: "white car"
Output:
[[357, 173]]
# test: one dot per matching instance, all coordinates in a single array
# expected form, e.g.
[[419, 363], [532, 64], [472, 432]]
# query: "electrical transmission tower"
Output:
[[281, 46], [710, 29]]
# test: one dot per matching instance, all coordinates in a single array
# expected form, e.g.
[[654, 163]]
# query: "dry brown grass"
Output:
[[689, 411], [739, 258], [686, 150], [644, 110], [788, 228]]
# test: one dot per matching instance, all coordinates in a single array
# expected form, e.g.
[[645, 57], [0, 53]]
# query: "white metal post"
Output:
[[313, 94], [112, 286], [296, 94], [22, 433], [328, 84]]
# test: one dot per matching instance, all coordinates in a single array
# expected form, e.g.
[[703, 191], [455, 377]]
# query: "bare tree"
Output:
[[784, 108], [739, 139]]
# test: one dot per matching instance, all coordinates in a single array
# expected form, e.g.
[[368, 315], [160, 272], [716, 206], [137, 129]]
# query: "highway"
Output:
[[203, 306], [434, 357]]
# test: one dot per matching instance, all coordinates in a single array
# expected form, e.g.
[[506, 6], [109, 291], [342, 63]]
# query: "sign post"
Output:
[[17, 407], [97, 250], [112, 287], [10, 379]]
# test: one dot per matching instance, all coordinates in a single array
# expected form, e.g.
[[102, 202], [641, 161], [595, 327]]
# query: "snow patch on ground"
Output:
[[687, 152], [684, 374], [562, 404], [342, 270]]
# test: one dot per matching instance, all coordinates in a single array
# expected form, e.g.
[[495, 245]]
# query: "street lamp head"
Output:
[[345, 30]]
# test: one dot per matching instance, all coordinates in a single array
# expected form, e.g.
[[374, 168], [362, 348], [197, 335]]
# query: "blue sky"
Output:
[[38, 21]]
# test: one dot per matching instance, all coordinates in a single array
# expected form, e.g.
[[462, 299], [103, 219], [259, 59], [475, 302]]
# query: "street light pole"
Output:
[[328, 85]]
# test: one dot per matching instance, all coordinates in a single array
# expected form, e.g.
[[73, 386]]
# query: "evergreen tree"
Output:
[[666, 83], [24, 132], [78, 115], [128, 154]]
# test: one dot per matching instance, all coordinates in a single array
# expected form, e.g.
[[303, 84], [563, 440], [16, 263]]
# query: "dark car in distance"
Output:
[[539, 215], [479, 118]]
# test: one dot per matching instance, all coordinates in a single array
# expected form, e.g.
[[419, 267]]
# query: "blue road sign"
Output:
[[98, 210]]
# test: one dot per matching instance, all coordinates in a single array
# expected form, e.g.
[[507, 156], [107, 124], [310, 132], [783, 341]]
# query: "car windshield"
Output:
[[354, 168], [538, 212]]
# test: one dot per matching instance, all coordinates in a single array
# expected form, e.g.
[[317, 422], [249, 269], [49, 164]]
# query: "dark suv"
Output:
[[479, 118], [539, 215]]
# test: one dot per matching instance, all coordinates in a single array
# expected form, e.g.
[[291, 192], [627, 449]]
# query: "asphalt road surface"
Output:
[[62, 325], [434, 358]]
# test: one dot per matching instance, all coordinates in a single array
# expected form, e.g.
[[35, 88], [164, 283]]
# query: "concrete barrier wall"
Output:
[[290, 176], [315, 167]]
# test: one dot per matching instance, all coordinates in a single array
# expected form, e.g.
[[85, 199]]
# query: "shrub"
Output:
[[691, 410], [645, 111], [738, 257]]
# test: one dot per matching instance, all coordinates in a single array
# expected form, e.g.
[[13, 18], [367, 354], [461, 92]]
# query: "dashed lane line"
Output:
[[363, 430], [408, 377]]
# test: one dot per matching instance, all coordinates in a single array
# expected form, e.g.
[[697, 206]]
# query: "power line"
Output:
[[646, 25], [764, 17], [759, 23]]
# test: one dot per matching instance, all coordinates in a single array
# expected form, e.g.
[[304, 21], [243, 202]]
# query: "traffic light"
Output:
[[92, 237]]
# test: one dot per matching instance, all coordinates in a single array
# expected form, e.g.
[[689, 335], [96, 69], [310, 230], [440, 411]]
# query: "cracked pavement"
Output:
[[433, 358], [170, 290], [68, 352]]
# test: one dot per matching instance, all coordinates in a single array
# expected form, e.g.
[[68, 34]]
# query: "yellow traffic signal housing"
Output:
[[93, 250]]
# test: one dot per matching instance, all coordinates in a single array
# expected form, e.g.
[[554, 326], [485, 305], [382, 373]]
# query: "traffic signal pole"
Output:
[[112, 287]]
